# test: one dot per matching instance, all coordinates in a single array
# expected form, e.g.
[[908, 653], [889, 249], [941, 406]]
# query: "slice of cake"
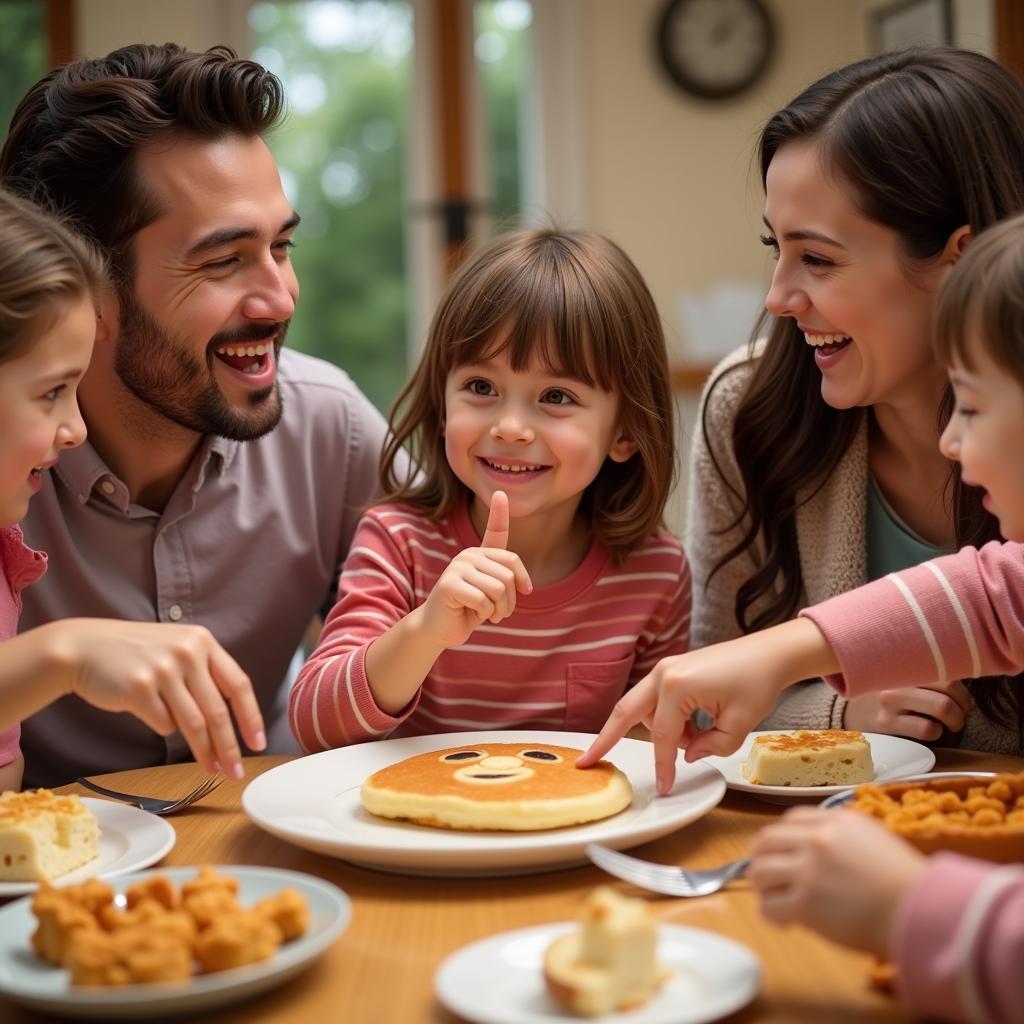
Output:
[[44, 836], [611, 963], [809, 757]]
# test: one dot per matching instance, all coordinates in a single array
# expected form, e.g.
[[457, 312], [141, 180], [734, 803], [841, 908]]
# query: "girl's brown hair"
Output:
[[984, 298], [43, 265], [926, 140], [576, 301]]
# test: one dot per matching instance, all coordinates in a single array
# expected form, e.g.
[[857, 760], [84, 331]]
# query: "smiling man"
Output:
[[223, 476]]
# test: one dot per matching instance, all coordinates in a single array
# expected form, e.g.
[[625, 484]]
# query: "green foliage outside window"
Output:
[[22, 53]]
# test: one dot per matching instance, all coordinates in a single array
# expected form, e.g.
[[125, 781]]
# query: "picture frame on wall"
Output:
[[911, 23]]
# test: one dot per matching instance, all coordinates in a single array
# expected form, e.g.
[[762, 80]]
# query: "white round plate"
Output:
[[843, 798], [893, 756], [500, 980], [33, 982], [130, 840], [314, 803]]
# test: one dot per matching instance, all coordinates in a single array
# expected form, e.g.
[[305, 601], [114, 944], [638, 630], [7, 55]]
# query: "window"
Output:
[[22, 53]]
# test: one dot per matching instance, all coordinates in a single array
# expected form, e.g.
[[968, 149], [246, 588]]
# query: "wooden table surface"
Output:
[[381, 969]]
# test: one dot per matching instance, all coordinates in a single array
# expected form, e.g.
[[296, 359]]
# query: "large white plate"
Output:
[[893, 757], [500, 980], [130, 840], [314, 803], [33, 982]]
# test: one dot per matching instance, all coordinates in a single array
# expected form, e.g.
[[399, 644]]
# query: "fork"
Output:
[[152, 804], [661, 878]]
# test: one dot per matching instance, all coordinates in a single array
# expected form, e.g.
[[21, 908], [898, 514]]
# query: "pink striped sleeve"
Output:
[[958, 940], [331, 704], [670, 631], [957, 617]]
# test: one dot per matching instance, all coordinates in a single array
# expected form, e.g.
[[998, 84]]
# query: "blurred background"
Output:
[[416, 128]]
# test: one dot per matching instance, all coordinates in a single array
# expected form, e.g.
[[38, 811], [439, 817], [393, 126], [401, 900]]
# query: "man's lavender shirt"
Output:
[[250, 545]]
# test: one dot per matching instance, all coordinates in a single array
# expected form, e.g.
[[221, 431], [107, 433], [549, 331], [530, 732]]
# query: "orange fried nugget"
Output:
[[129, 956], [236, 940], [209, 879], [150, 914], [288, 909], [59, 921], [208, 905], [157, 887]]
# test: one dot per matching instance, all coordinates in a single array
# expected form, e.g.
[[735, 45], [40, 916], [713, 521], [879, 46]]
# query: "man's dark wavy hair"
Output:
[[73, 138]]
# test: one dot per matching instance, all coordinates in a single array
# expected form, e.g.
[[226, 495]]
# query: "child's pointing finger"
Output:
[[496, 531]]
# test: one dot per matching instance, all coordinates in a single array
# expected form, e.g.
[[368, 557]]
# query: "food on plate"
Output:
[[505, 786], [978, 817], [809, 757], [44, 836], [160, 934], [611, 962]]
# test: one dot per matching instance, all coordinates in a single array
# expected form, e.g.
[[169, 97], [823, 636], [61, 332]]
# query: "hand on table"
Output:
[[479, 585], [170, 676], [841, 873]]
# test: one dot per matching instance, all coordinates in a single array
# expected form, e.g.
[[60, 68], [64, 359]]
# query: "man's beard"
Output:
[[165, 374]]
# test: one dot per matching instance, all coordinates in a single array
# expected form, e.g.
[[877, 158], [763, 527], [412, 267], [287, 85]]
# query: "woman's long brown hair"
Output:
[[926, 140], [576, 301]]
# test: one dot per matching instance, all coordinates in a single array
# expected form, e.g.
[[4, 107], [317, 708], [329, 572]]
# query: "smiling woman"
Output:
[[817, 465]]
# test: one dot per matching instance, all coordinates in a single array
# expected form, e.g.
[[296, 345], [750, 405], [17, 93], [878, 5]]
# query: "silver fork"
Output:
[[661, 878], [152, 804]]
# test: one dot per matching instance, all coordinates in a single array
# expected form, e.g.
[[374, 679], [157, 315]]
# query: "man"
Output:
[[223, 477]]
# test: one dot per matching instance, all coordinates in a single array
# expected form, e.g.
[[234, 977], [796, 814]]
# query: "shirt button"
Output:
[[107, 487], [174, 612]]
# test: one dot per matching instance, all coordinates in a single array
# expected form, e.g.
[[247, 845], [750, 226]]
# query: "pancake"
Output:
[[513, 787]]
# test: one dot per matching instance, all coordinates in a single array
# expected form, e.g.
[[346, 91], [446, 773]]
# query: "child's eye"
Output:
[[478, 386], [53, 393], [557, 396], [965, 411]]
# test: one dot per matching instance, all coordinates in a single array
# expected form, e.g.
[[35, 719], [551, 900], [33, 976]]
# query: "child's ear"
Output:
[[623, 448], [106, 319]]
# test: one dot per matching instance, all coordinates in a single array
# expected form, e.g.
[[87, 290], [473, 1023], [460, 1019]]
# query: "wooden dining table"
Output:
[[381, 969]]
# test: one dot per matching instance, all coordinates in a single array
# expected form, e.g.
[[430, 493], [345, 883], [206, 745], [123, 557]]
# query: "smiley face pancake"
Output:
[[501, 786]]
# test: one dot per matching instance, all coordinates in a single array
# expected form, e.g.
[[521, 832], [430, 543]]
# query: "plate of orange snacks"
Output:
[[162, 943]]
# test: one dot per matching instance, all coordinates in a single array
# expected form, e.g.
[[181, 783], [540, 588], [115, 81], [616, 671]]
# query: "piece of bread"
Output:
[[514, 787], [611, 963], [44, 836], [977, 817], [809, 757]]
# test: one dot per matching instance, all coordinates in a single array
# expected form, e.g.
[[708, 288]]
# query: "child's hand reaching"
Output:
[[839, 872], [170, 676], [479, 585]]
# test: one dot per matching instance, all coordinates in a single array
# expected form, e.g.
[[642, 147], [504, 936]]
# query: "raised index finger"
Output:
[[496, 531]]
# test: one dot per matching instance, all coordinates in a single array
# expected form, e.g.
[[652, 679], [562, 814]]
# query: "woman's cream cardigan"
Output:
[[832, 542]]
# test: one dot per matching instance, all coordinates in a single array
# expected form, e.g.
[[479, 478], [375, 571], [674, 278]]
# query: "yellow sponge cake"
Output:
[[611, 963], [44, 836], [809, 757]]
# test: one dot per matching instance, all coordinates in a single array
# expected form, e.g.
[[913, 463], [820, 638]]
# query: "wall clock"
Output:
[[715, 49]]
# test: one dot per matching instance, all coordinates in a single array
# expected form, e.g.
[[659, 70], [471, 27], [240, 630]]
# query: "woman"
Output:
[[817, 467]]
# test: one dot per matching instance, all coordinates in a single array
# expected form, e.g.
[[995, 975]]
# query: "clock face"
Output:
[[715, 48]]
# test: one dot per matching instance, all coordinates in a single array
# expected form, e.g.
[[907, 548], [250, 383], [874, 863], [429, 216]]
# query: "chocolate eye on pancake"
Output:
[[540, 755], [462, 755]]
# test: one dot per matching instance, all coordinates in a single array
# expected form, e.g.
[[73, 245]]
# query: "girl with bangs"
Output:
[[522, 579]]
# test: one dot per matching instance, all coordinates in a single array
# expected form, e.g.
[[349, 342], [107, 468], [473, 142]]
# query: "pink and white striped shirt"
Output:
[[959, 934], [560, 661]]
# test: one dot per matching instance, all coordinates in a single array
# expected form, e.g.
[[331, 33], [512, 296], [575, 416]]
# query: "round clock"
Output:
[[715, 48]]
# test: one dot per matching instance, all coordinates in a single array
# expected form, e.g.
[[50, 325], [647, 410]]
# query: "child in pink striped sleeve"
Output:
[[523, 578], [955, 926]]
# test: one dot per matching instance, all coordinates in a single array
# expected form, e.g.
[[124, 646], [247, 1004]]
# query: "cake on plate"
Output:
[[809, 757], [504, 786], [44, 836], [611, 962]]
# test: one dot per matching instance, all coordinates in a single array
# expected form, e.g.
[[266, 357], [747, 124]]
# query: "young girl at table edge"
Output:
[[523, 578], [169, 676], [953, 925]]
